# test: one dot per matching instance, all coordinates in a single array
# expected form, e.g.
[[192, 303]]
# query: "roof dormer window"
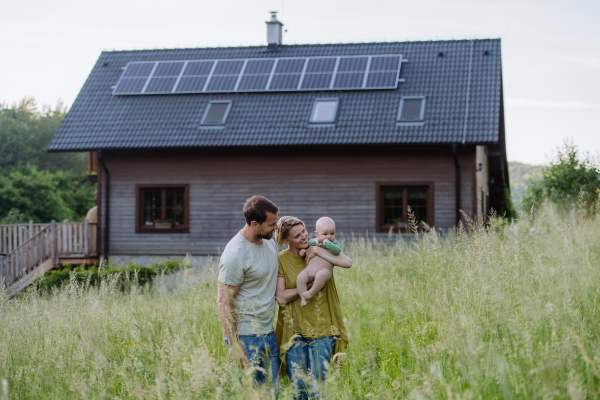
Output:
[[324, 111], [216, 113], [412, 109]]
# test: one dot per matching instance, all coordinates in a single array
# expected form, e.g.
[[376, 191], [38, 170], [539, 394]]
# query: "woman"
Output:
[[307, 336]]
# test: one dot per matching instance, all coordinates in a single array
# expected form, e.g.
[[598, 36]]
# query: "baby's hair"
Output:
[[284, 226]]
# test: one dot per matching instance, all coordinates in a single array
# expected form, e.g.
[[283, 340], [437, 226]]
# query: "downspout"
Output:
[[456, 183], [106, 208]]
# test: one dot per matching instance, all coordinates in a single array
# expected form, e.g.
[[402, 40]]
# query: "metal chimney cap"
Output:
[[274, 19]]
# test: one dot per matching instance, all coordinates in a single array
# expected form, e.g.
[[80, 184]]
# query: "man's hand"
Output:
[[237, 354], [302, 253]]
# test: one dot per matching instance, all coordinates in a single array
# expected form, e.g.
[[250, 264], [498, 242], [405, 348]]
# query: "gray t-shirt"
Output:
[[254, 269]]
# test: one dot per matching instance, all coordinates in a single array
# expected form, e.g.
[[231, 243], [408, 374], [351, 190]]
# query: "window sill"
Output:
[[321, 125], [211, 127], [167, 230], [416, 123]]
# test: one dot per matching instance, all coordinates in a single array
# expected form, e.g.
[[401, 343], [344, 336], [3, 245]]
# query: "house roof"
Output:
[[462, 89]]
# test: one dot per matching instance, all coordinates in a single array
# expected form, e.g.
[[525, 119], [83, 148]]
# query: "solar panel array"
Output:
[[260, 75]]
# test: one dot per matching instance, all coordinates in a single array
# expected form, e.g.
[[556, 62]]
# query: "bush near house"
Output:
[[571, 178], [93, 275]]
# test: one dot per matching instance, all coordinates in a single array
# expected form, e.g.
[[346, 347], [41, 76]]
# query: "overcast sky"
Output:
[[551, 49]]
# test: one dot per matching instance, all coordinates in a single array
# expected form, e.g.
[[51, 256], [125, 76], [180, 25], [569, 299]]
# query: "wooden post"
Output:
[[65, 237], [2, 278], [53, 244], [86, 238], [30, 229]]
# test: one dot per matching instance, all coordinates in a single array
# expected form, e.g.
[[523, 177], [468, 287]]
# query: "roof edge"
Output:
[[298, 45]]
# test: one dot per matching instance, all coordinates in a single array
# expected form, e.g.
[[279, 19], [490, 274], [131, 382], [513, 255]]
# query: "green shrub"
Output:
[[93, 275]]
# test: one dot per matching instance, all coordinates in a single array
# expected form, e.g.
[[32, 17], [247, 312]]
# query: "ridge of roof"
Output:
[[299, 45]]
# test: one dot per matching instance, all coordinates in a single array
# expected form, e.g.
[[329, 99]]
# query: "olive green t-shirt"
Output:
[[321, 317]]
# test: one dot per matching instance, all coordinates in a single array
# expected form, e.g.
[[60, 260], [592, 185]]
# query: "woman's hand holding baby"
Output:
[[310, 253]]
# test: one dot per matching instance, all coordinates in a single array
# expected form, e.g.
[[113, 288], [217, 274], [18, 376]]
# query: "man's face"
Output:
[[266, 229]]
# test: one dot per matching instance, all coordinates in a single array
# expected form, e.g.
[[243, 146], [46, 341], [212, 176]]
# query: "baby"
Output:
[[318, 268]]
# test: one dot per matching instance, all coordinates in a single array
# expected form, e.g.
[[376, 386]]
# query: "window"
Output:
[[324, 111], [216, 113], [393, 202], [412, 109], [162, 209]]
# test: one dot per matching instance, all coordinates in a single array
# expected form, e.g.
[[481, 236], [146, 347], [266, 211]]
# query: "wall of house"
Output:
[[305, 183]]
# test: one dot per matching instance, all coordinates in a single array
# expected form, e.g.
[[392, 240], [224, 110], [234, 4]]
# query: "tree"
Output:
[[25, 134], [42, 196], [566, 182], [34, 184]]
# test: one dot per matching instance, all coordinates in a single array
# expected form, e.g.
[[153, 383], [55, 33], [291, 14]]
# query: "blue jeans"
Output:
[[309, 357], [263, 353]]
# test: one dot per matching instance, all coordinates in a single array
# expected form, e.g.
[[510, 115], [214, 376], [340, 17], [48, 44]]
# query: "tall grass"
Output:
[[505, 312]]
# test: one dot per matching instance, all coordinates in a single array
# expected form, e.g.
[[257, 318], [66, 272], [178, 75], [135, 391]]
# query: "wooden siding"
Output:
[[305, 184]]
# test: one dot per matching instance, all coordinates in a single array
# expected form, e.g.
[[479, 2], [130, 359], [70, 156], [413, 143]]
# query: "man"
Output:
[[246, 292]]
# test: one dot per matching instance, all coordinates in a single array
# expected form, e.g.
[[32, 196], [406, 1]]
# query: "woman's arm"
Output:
[[340, 260], [283, 295]]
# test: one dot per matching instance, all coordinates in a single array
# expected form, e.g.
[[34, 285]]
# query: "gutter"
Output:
[[106, 197], [456, 183]]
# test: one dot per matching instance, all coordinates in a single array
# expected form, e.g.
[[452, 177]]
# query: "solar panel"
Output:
[[253, 82], [138, 70], [196, 68], [261, 74], [191, 84], [353, 64], [349, 80], [222, 83], [160, 85], [168, 69], [317, 81], [285, 82]]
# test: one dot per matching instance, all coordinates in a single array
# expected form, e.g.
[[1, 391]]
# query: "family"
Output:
[[254, 276]]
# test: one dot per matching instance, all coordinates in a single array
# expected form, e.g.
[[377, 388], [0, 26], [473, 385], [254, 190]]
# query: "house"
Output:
[[358, 132]]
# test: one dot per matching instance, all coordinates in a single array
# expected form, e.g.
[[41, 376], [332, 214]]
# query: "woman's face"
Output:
[[297, 237]]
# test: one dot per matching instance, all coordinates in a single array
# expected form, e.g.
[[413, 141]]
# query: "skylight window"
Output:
[[216, 113], [324, 111], [412, 109]]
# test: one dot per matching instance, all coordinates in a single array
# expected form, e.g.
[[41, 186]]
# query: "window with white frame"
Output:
[[216, 113], [324, 111], [412, 109]]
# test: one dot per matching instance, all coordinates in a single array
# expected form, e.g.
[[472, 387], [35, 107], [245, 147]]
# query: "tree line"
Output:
[[34, 184]]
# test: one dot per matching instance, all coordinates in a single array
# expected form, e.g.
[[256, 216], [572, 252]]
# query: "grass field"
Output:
[[508, 312]]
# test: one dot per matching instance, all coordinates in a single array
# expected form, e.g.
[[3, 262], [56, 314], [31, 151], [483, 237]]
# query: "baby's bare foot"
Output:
[[305, 297]]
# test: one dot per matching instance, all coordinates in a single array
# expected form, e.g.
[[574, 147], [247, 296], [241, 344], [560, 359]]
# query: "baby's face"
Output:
[[325, 230]]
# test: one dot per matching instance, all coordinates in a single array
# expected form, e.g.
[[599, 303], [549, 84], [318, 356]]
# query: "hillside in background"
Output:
[[519, 175]]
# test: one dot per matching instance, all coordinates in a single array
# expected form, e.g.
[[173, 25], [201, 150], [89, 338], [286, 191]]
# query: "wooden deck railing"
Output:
[[23, 247], [13, 236]]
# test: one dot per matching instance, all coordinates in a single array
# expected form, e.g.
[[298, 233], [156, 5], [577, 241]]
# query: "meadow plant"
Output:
[[504, 311]]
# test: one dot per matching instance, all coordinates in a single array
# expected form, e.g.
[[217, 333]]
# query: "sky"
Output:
[[550, 48]]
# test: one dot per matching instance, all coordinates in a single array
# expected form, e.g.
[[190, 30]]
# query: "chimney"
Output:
[[273, 32]]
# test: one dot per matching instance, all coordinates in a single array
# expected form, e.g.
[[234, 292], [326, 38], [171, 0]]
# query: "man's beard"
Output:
[[268, 236]]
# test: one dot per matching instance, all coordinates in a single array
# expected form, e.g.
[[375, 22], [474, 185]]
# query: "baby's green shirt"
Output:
[[334, 247]]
